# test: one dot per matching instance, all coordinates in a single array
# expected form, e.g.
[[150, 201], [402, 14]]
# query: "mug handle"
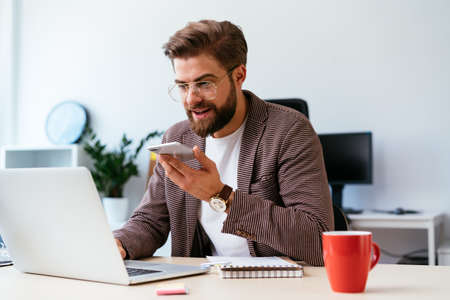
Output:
[[375, 255]]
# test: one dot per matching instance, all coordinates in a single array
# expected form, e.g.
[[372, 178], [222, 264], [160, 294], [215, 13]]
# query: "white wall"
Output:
[[6, 72], [382, 66]]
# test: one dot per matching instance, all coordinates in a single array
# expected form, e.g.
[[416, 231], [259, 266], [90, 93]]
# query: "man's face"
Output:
[[206, 116]]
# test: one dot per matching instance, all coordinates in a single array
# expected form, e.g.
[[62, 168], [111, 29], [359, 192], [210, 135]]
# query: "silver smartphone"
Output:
[[176, 149]]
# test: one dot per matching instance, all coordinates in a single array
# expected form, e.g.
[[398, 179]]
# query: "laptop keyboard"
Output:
[[136, 272]]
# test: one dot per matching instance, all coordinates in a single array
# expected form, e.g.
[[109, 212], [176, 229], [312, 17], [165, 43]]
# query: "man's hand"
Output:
[[122, 251], [202, 183]]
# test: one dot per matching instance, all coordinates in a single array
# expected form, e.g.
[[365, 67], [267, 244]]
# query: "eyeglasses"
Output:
[[205, 89]]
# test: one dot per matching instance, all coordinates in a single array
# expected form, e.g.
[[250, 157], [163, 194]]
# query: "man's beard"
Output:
[[222, 117]]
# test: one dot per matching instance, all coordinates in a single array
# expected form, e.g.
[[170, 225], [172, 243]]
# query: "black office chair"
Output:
[[295, 103], [340, 219]]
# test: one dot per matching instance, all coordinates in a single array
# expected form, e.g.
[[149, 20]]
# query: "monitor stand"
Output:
[[336, 193]]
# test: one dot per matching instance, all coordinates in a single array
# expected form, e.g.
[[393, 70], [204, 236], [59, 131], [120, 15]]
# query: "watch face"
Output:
[[217, 204]]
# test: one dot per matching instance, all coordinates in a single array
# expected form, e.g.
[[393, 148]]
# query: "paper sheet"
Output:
[[250, 261]]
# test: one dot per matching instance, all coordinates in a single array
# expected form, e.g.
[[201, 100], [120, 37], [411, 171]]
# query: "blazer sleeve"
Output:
[[148, 227], [293, 228]]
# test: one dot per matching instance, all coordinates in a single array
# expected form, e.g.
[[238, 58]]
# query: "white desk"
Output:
[[385, 282], [427, 221]]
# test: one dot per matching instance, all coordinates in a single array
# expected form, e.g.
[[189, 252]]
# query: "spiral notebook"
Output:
[[256, 267]]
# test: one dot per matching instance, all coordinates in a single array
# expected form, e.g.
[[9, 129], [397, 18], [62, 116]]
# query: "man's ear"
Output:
[[239, 75]]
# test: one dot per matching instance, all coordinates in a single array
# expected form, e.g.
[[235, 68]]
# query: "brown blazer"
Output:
[[281, 206]]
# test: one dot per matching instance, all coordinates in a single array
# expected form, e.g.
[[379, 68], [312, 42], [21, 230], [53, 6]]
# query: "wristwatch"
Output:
[[219, 202]]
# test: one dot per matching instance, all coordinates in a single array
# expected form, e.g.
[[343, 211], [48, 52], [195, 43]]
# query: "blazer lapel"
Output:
[[192, 203], [254, 129]]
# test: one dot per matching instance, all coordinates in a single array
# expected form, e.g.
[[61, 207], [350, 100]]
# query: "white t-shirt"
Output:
[[225, 153]]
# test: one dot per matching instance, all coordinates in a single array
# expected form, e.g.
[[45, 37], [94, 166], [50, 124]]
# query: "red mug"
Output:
[[348, 259]]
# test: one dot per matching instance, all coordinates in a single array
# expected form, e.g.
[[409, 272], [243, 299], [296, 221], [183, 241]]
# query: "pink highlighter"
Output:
[[171, 289]]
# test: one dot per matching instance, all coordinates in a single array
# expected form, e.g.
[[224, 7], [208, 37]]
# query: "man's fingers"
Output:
[[175, 163], [176, 176], [202, 158]]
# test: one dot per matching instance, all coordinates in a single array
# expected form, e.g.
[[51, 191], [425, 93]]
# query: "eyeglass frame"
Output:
[[195, 88]]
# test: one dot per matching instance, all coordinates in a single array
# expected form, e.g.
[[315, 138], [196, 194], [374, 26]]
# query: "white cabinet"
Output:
[[42, 156]]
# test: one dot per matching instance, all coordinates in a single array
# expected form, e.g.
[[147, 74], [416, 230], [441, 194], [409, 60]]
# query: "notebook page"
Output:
[[250, 261]]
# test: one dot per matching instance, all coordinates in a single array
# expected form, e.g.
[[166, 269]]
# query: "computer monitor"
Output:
[[348, 160]]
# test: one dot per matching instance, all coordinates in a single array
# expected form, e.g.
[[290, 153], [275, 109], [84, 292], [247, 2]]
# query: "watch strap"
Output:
[[225, 193]]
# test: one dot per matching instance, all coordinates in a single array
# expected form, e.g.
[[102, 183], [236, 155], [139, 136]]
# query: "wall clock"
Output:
[[66, 122]]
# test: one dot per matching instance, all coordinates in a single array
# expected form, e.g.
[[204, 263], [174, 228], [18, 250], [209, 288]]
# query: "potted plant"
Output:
[[112, 169]]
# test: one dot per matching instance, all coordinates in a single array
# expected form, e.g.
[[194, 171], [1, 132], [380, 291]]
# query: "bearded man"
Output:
[[257, 186]]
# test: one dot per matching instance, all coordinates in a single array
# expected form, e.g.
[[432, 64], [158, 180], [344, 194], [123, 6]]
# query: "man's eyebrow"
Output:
[[198, 78]]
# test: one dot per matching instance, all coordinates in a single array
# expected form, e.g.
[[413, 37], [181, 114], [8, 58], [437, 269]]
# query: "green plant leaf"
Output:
[[113, 169]]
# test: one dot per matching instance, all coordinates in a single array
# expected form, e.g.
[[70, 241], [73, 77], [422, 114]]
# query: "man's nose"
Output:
[[192, 96]]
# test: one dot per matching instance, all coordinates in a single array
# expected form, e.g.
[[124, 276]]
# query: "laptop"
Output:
[[53, 223]]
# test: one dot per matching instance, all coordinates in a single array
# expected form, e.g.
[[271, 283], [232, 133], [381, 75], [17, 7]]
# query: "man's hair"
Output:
[[222, 40]]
